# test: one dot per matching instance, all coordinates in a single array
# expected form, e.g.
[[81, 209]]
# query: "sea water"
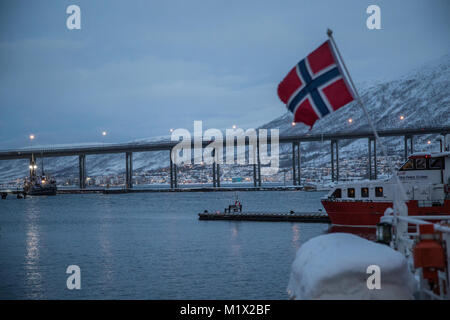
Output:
[[150, 245]]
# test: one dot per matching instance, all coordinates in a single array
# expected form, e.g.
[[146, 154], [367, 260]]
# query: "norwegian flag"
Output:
[[315, 87]]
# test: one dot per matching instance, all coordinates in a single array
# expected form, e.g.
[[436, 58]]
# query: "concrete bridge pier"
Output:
[[375, 167], [336, 144], [411, 146], [175, 176], [369, 158], [215, 170], [256, 166], [334, 147], [299, 165], [259, 162], [296, 164], [332, 160], [171, 169], [214, 174], [405, 148], [294, 174], [173, 172], [442, 142], [82, 170], [372, 159], [218, 175], [129, 170]]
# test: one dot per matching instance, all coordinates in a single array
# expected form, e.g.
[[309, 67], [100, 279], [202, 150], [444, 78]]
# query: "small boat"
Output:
[[235, 207]]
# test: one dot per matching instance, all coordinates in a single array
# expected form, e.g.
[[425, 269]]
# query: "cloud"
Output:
[[139, 68], [139, 97]]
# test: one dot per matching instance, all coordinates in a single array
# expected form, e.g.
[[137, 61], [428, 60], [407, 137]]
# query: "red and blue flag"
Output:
[[315, 87]]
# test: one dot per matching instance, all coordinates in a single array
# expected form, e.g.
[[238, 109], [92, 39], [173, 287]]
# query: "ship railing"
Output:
[[408, 239]]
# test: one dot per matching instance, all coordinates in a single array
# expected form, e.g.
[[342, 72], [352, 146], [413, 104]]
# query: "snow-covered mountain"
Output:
[[420, 96]]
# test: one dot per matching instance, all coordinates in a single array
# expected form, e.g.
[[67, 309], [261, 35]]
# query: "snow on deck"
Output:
[[334, 266]]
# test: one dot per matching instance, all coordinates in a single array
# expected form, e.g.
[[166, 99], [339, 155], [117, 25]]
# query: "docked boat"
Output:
[[44, 187], [425, 178], [39, 185]]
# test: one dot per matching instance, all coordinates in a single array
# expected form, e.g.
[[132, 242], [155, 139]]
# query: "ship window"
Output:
[[364, 192], [421, 163], [351, 192], [409, 165], [337, 193], [437, 163], [378, 191]]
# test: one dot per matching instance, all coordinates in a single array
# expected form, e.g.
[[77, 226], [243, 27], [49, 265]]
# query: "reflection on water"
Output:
[[104, 238], [234, 230], [236, 250], [33, 276], [235, 241], [296, 236]]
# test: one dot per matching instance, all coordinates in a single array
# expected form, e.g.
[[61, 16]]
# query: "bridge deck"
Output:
[[46, 151]]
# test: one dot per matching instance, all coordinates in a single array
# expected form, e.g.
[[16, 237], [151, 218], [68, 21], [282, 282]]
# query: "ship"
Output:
[[39, 185], [425, 177]]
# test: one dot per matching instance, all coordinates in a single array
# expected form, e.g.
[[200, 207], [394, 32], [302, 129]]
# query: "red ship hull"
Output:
[[359, 213]]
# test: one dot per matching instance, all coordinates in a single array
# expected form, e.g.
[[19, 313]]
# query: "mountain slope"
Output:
[[420, 96]]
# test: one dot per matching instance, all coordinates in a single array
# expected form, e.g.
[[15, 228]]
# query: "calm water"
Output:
[[149, 246]]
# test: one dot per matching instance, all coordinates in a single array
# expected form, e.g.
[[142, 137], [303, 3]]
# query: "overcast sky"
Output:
[[138, 68]]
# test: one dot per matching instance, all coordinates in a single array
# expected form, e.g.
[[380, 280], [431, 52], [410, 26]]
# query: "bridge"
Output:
[[129, 148]]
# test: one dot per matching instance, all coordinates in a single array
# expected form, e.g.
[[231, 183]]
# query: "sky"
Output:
[[136, 69]]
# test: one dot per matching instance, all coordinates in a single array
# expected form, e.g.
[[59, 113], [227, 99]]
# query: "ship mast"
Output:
[[32, 167]]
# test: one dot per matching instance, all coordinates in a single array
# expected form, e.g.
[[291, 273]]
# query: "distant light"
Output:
[[293, 123], [171, 130], [35, 167], [402, 117], [234, 126], [104, 133], [31, 167], [31, 136], [350, 120], [429, 141]]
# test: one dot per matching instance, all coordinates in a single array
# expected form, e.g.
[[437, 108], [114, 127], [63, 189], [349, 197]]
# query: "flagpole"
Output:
[[399, 202], [358, 98]]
